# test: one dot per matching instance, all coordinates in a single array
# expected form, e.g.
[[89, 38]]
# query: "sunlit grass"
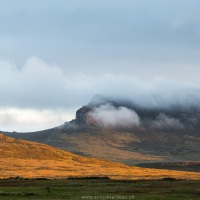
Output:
[[31, 160]]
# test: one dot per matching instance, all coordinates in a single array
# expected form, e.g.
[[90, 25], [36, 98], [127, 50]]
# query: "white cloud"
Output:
[[25, 120], [110, 116]]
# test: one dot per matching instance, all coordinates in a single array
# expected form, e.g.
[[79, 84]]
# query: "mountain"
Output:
[[33, 160], [124, 132]]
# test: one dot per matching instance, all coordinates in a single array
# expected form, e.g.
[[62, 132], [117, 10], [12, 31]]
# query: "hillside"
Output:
[[33, 160], [120, 131]]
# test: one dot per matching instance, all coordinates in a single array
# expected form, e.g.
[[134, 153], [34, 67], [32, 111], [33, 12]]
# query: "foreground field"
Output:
[[167, 189]]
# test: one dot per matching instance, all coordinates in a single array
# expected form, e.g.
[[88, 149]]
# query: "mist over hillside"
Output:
[[118, 113]]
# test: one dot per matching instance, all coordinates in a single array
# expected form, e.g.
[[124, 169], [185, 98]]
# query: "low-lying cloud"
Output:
[[39, 86], [164, 121], [110, 116]]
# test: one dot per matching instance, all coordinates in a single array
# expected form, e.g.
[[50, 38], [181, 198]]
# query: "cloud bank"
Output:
[[39, 86]]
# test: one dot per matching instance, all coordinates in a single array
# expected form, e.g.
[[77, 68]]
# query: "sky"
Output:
[[56, 55]]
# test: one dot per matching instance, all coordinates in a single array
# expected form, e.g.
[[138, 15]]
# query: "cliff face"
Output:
[[82, 116]]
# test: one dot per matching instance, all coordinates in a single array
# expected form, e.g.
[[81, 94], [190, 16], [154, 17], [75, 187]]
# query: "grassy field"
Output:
[[99, 189]]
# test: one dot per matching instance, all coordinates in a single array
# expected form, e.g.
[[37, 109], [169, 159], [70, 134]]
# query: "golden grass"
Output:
[[33, 168], [33, 160]]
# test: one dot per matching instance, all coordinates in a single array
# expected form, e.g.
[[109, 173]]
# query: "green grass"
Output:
[[99, 189]]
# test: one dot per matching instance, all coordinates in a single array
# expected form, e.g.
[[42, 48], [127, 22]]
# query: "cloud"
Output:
[[38, 85], [164, 121], [110, 116], [27, 120], [160, 93]]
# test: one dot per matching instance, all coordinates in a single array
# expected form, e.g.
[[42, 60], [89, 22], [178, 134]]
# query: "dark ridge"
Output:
[[181, 166]]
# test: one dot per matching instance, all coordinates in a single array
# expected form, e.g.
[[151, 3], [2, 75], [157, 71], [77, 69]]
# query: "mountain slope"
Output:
[[31, 160], [120, 131]]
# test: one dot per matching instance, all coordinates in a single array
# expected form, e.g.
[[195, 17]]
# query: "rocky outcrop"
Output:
[[82, 115]]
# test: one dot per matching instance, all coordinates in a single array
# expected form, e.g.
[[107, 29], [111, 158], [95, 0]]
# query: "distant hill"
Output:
[[124, 132], [183, 166], [21, 158]]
